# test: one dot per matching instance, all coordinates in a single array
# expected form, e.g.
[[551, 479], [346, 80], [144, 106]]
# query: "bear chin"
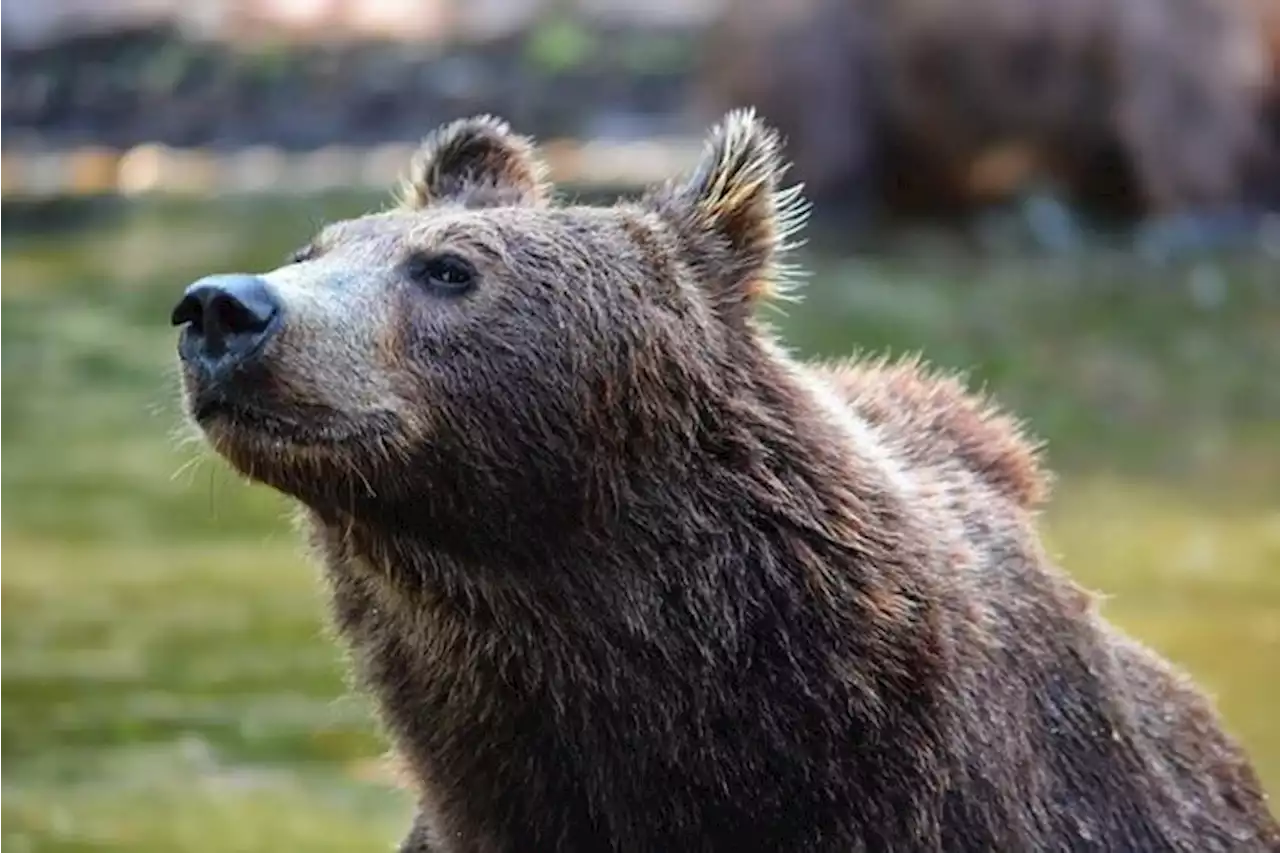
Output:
[[287, 446]]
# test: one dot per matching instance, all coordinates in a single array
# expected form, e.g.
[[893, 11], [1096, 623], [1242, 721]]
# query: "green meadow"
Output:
[[168, 683]]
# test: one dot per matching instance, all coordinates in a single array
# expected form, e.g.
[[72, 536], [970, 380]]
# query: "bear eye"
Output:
[[446, 273]]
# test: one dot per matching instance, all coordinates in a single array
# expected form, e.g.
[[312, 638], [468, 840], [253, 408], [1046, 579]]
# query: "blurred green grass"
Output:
[[168, 682]]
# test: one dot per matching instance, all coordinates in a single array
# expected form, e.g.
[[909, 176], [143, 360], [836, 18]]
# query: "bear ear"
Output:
[[477, 162], [732, 213]]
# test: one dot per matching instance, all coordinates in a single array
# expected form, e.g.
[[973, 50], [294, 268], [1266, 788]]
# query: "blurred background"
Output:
[[1074, 200]]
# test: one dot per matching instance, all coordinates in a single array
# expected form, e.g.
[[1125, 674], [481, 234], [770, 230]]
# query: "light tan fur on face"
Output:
[[336, 346]]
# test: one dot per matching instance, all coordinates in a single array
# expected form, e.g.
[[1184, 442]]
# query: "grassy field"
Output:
[[168, 683]]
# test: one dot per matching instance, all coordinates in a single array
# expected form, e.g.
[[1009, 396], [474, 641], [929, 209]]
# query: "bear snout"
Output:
[[226, 321]]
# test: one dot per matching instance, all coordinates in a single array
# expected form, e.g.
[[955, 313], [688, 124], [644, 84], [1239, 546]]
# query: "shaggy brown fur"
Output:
[[622, 575], [1141, 106]]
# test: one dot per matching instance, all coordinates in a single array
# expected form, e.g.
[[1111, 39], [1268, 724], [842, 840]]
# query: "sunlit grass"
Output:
[[174, 804], [155, 693], [168, 682]]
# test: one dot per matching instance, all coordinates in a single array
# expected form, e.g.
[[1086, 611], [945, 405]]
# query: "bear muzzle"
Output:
[[226, 321]]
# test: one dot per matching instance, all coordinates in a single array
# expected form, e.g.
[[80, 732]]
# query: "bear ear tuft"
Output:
[[732, 206], [477, 162]]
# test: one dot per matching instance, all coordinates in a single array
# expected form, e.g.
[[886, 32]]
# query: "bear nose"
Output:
[[226, 316]]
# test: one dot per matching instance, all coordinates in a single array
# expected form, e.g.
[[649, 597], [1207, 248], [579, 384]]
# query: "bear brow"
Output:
[[480, 238], [374, 228], [337, 232]]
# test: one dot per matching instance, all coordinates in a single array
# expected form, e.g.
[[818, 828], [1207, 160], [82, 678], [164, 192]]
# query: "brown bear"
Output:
[[624, 575], [921, 107]]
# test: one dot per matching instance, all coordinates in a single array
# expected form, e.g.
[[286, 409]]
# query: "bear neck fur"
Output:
[[779, 550]]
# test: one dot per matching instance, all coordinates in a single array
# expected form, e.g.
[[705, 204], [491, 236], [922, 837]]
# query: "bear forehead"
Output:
[[459, 227]]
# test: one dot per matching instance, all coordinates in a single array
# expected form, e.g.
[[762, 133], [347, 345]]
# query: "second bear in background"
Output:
[[1132, 109]]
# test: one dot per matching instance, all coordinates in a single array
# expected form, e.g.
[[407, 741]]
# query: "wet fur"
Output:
[[636, 580]]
